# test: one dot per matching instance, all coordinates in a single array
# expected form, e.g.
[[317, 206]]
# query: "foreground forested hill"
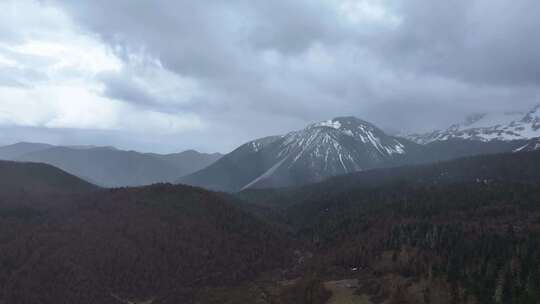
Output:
[[159, 243]]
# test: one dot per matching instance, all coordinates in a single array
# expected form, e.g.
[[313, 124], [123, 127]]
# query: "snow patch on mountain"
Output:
[[259, 144], [329, 123], [266, 174]]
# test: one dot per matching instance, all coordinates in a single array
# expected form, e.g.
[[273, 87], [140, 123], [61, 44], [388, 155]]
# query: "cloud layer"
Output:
[[165, 75]]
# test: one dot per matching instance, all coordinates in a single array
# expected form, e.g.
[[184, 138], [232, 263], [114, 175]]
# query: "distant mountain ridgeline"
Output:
[[110, 167], [321, 150]]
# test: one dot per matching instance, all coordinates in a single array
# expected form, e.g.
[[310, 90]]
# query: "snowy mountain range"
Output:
[[328, 148], [488, 127], [347, 144]]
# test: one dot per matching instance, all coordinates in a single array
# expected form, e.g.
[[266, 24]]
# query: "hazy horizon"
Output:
[[54, 141]]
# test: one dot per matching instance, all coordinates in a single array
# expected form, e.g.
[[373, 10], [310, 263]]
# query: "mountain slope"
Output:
[[489, 127], [522, 167], [236, 169], [37, 177], [333, 147]]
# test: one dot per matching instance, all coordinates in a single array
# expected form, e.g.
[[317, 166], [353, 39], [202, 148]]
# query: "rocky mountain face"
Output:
[[337, 146], [488, 127]]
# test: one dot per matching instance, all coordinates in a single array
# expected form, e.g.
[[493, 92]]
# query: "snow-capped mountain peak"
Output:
[[335, 124], [331, 147], [488, 127], [361, 130]]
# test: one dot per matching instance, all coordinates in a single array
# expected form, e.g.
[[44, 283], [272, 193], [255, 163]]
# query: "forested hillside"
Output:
[[515, 167], [477, 242], [414, 235]]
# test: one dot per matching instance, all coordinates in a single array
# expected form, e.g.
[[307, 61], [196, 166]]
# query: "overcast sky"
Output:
[[171, 75]]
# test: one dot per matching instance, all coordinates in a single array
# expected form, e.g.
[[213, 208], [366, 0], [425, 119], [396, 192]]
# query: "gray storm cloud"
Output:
[[256, 68]]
